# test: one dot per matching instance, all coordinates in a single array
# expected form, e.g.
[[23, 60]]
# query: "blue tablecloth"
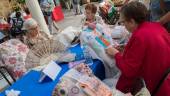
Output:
[[29, 85]]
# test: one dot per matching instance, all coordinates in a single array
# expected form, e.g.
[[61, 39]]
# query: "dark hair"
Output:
[[135, 10], [27, 11], [91, 7], [18, 14]]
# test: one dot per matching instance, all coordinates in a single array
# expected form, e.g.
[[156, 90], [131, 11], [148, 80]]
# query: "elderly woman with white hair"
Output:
[[13, 52], [33, 32]]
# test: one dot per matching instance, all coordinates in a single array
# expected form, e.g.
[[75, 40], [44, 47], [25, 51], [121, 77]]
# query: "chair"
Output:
[[5, 74]]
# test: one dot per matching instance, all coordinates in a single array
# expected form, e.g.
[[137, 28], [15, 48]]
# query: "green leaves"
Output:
[[21, 1]]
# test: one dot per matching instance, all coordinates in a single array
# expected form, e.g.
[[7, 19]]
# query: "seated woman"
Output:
[[90, 17], [147, 52], [13, 52], [16, 25], [33, 33]]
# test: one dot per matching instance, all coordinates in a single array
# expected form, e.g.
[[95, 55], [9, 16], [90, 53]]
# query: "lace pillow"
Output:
[[13, 55], [80, 81]]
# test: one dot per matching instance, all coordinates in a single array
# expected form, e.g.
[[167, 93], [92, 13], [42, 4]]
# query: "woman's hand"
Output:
[[112, 51], [90, 25], [86, 23]]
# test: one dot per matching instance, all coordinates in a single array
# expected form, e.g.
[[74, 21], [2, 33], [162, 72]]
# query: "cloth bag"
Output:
[[67, 35], [120, 34], [57, 13]]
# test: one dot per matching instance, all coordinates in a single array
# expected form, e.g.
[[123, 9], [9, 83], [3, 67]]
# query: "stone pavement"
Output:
[[69, 20]]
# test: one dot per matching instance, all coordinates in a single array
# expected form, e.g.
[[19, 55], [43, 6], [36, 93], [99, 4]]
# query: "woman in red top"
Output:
[[147, 53]]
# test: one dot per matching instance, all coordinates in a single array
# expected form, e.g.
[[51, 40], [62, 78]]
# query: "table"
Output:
[[29, 86]]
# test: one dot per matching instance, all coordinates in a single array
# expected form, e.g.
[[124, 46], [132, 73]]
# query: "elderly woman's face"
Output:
[[89, 14], [129, 24], [33, 32]]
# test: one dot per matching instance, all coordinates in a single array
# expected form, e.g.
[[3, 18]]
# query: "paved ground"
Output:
[[69, 20]]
